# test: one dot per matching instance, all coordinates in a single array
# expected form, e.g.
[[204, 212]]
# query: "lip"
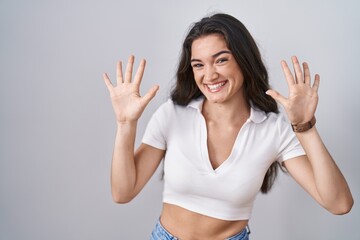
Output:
[[216, 87]]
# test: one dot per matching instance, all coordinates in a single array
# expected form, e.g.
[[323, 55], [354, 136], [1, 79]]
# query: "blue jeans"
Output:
[[160, 233]]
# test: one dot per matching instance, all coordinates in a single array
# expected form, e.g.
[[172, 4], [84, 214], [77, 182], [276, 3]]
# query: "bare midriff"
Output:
[[188, 225]]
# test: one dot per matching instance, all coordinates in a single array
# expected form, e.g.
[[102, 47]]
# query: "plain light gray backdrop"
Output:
[[57, 126]]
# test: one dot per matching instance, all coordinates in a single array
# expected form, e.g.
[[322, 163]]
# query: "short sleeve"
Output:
[[289, 145], [155, 132]]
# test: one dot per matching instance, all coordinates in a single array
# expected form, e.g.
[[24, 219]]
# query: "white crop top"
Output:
[[229, 191]]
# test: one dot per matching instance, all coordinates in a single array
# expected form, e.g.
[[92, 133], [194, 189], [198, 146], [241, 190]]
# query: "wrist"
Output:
[[121, 124], [303, 127]]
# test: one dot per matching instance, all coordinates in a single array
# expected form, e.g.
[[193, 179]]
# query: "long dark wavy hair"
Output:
[[247, 55]]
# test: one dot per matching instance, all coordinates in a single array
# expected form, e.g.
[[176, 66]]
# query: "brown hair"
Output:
[[247, 55]]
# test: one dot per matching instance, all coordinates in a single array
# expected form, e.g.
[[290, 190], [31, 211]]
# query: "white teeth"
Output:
[[216, 86]]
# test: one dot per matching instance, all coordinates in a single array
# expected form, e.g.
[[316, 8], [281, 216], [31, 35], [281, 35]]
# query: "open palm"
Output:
[[302, 101], [125, 96]]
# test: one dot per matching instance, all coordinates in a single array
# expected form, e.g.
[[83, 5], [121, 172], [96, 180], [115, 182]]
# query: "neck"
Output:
[[231, 111]]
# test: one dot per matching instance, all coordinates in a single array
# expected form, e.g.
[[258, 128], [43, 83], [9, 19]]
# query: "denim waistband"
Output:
[[243, 235], [160, 233]]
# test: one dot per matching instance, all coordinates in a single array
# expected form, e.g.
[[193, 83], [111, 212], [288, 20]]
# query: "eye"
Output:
[[197, 65], [221, 60]]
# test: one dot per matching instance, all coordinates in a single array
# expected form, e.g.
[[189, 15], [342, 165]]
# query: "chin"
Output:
[[215, 100]]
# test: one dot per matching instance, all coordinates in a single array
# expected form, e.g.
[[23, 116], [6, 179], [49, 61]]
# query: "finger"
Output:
[[129, 69], [316, 82], [140, 72], [299, 78], [119, 74], [288, 75], [277, 96], [150, 94], [107, 81], [307, 76]]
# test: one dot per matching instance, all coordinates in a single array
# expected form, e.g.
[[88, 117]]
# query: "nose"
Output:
[[210, 73]]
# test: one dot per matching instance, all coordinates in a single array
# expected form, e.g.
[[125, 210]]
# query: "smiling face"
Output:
[[216, 72]]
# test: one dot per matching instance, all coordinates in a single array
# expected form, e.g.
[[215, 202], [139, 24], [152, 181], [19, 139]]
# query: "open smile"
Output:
[[216, 87]]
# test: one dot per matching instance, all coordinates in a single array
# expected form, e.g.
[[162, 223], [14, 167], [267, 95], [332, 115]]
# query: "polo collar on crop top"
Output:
[[256, 116]]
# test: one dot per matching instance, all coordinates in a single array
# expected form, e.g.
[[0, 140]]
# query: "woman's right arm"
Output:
[[130, 171]]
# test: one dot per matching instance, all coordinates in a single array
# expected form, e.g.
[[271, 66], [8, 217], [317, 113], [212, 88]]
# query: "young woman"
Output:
[[221, 136]]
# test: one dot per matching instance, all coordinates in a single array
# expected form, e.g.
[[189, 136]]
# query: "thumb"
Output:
[[150, 94], [276, 96]]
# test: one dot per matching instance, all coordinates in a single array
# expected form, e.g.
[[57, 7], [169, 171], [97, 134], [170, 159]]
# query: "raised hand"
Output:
[[125, 96], [302, 101]]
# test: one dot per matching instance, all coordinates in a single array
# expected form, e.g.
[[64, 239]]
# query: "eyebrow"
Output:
[[214, 56]]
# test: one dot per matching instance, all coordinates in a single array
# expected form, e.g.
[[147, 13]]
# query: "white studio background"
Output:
[[57, 126]]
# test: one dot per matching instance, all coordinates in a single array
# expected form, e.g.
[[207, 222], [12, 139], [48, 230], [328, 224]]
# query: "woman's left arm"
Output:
[[316, 172]]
